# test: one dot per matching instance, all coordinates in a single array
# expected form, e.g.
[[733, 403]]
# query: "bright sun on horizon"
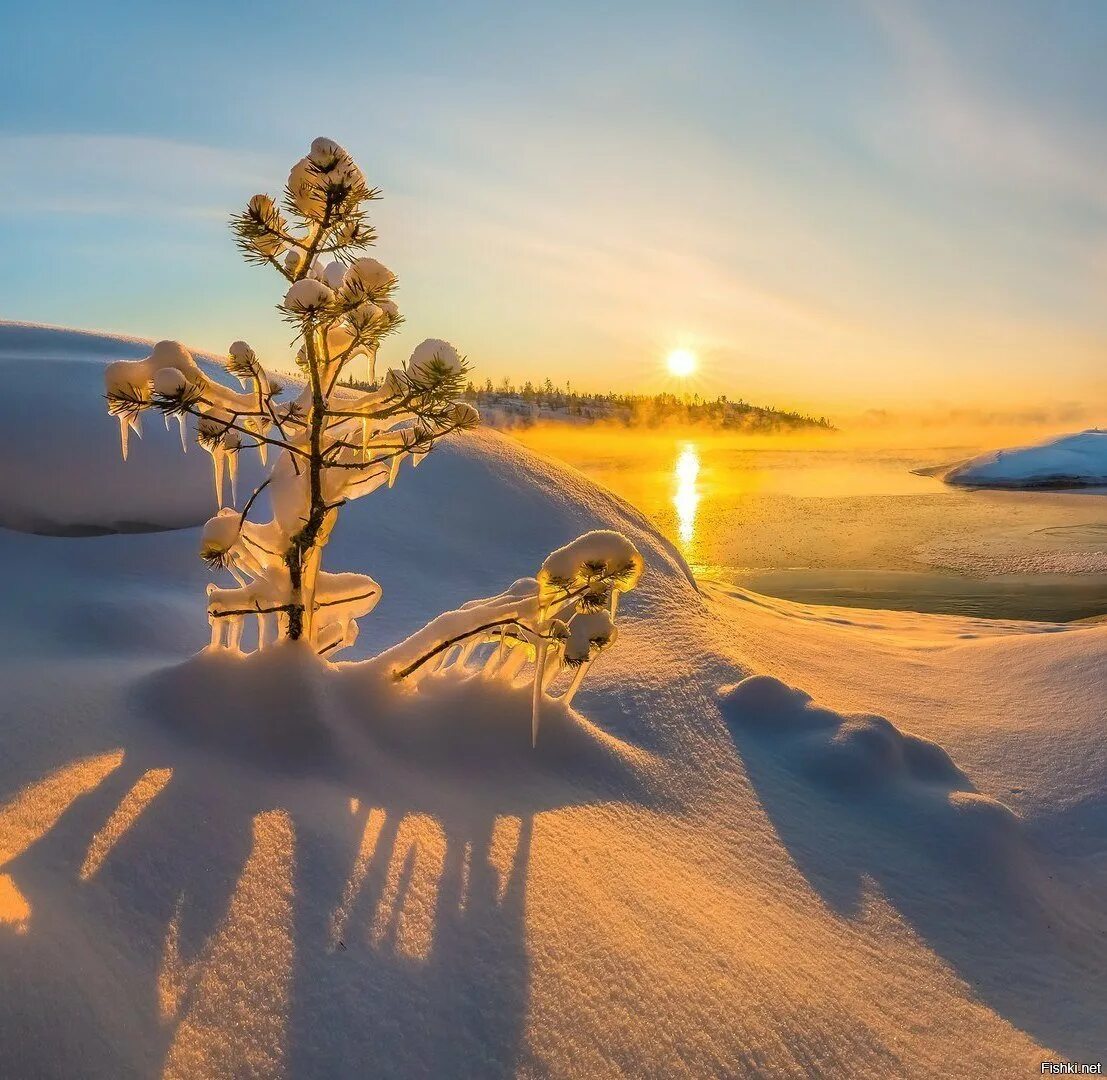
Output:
[[681, 363]]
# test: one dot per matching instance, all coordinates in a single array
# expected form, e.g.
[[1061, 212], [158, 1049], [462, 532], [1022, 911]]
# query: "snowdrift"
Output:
[[213, 866], [904, 778], [60, 468], [1068, 461]]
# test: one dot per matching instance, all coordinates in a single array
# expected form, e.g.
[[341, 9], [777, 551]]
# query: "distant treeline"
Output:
[[531, 404], [507, 405]]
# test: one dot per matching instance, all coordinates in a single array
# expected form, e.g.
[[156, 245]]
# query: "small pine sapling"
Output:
[[330, 444]]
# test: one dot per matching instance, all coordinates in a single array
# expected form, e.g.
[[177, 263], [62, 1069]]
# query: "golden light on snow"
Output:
[[686, 498], [410, 854], [33, 813], [134, 802], [681, 363], [14, 909], [405, 915], [237, 992], [374, 823]]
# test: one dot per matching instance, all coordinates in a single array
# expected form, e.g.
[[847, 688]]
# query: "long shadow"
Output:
[[92, 1003], [860, 806], [407, 951], [451, 998]]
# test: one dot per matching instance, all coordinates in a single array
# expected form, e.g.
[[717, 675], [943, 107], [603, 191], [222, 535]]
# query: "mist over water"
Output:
[[845, 518]]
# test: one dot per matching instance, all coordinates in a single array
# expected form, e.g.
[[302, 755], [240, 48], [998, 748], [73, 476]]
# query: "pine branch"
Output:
[[225, 425], [404, 672], [128, 402], [257, 610]]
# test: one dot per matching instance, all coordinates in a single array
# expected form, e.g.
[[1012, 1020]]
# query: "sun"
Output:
[[681, 363]]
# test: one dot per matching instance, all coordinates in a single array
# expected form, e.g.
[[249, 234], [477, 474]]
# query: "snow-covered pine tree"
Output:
[[331, 444]]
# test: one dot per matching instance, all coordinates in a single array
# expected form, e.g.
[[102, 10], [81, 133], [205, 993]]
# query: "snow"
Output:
[[307, 295], [764, 840], [1067, 461], [60, 467], [430, 354], [369, 276]]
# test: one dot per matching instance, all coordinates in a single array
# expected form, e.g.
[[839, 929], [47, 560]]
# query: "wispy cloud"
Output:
[[114, 175], [989, 128]]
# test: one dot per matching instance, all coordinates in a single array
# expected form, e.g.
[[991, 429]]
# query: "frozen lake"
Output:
[[829, 524]]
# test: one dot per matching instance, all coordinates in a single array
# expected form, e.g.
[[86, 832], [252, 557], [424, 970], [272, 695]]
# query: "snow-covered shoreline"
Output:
[[215, 866]]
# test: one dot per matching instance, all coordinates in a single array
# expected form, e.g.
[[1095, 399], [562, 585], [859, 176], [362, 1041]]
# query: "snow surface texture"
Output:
[[1067, 461], [269, 866]]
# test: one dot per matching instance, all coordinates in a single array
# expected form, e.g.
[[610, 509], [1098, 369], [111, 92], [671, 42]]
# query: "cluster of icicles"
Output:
[[367, 444], [558, 622], [133, 386]]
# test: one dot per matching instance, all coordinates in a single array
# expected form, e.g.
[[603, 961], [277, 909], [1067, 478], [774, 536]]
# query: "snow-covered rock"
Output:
[[1067, 461]]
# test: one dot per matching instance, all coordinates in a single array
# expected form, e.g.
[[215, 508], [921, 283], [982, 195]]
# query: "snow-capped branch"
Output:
[[560, 620]]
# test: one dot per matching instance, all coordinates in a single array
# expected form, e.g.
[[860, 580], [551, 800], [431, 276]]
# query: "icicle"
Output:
[[614, 602], [574, 686], [513, 664], [124, 433], [394, 469], [232, 470], [498, 655], [309, 580], [263, 450], [536, 695], [181, 425], [234, 631], [217, 455], [216, 633], [553, 669], [467, 651], [350, 633], [494, 659], [261, 631], [364, 434], [165, 417]]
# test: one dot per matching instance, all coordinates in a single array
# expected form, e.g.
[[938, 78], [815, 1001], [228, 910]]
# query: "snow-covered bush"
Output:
[[332, 444], [559, 621]]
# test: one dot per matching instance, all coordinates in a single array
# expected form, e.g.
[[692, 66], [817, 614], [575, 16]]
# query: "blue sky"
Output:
[[840, 204]]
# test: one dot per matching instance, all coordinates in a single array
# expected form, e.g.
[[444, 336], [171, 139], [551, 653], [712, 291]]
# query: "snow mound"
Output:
[[286, 711], [861, 757], [276, 867], [60, 469], [1067, 461]]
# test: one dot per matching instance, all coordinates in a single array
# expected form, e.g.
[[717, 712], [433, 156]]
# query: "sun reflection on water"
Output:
[[686, 496]]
